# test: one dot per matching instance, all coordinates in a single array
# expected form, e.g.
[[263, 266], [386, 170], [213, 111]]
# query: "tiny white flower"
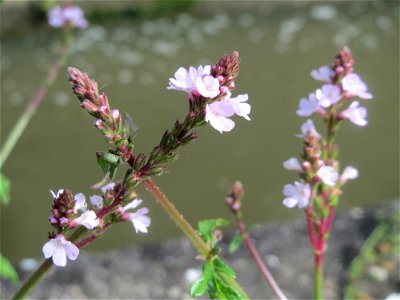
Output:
[[356, 114], [241, 109], [139, 219], [208, 86], [353, 84], [88, 219], [218, 113], [307, 106], [328, 95], [349, 173], [328, 175], [80, 202], [296, 195], [59, 249], [292, 164]]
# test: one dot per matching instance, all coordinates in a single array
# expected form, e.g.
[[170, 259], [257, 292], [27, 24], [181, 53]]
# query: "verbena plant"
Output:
[[208, 88]]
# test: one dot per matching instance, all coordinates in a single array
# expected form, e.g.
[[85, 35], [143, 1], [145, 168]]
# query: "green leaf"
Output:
[[4, 190], [199, 287], [130, 127], [225, 291], [206, 227], [222, 267], [7, 271], [108, 162], [235, 243]]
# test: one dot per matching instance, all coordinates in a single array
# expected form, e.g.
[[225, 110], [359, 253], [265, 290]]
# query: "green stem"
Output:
[[318, 276], [34, 103], [33, 280], [187, 229]]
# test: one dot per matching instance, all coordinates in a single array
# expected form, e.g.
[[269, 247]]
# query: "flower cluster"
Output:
[[321, 180], [69, 211], [69, 15], [210, 86]]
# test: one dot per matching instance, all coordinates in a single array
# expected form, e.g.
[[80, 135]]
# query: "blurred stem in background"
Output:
[[34, 103]]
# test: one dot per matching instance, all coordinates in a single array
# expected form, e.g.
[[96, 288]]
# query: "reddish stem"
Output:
[[253, 251], [310, 227]]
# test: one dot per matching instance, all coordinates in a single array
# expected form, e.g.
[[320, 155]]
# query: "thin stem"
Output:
[[264, 270], [176, 216], [187, 229], [33, 104], [318, 276]]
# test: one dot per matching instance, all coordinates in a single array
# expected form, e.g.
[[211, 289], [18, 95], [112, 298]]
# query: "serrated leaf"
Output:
[[7, 271], [235, 243], [199, 287], [222, 267], [4, 190]]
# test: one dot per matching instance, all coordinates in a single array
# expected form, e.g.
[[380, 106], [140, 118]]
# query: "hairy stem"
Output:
[[187, 229]]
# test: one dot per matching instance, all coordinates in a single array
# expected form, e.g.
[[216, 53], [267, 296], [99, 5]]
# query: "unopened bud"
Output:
[[116, 116]]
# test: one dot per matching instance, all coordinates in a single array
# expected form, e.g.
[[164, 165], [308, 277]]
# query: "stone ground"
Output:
[[165, 271]]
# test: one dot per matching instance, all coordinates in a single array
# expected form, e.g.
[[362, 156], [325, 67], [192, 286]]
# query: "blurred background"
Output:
[[131, 48]]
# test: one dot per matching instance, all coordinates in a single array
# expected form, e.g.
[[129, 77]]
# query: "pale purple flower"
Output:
[[108, 186], [349, 173], [88, 219], [80, 202], [139, 219], [328, 175], [218, 113], [59, 249], [324, 73], [207, 86], [68, 15], [292, 164], [328, 95], [97, 201], [186, 80], [307, 106], [240, 108], [297, 194], [356, 114], [308, 128], [353, 84]]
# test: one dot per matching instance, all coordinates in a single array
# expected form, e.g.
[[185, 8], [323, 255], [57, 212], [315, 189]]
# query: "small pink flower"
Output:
[[307, 106], [88, 219], [356, 114], [324, 73], [218, 113], [308, 129], [207, 86], [139, 219], [69, 15], [241, 109], [296, 195], [328, 175], [97, 201], [353, 84], [59, 249], [186, 80], [328, 95]]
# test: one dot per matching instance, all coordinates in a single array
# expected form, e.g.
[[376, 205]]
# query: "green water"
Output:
[[132, 61]]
